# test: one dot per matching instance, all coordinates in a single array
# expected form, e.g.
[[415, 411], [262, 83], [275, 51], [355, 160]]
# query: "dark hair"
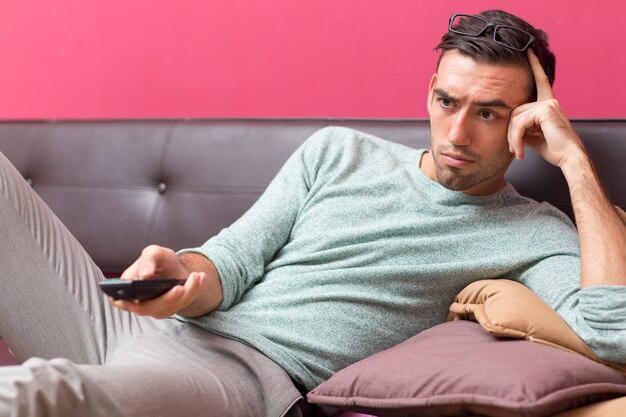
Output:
[[485, 50]]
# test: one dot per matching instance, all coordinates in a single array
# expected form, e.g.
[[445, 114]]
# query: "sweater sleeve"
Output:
[[597, 314], [241, 251]]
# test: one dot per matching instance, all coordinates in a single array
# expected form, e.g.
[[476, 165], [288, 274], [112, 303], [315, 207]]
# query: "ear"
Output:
[[431, 88]]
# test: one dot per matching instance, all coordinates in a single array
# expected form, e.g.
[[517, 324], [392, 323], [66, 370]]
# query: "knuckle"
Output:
[[517, 125], [553, 103], [136, 309], [151, 249], [162, 315], [516, 112]]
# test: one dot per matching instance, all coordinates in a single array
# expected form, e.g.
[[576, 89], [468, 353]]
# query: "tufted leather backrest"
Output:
[[121, 185]]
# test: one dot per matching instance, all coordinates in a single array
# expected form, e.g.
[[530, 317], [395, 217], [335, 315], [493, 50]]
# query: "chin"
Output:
[[455, 184], [454, 181]]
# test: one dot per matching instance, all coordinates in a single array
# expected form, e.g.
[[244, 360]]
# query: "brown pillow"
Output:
[[509, 309], [458, 369]]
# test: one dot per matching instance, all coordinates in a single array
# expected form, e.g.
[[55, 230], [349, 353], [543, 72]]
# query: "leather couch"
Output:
[[121, 185]]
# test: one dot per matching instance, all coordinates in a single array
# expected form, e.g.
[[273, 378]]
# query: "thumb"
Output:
[[147, 262], [146, 270]]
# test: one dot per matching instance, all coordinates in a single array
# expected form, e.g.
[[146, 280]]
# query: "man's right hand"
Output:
[[155, 261], [201, 294]]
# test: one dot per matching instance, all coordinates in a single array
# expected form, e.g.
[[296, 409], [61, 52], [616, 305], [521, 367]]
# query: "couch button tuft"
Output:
[[162, 188]]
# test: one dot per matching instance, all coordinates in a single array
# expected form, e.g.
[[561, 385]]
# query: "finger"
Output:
[[143, 267], [167, 304], [178, 301], [150, 307], [151, 257], [544, 90], [131, 271], [146, 264], [126, 305], [189, 292], [521, 121], [516, 145]]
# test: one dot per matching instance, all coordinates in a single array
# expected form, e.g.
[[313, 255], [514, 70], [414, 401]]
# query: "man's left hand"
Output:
[[542, 125]]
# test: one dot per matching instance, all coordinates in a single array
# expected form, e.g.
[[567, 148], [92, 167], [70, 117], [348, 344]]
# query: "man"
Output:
[[356, 245]]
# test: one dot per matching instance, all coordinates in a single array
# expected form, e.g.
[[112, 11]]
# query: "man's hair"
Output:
[[484, 49]]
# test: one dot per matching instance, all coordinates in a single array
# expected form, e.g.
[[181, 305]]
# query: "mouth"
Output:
[[456, 160]]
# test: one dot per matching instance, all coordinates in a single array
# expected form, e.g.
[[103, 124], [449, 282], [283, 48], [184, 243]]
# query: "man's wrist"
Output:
[[577, 163], [191, 261], [211, 295]]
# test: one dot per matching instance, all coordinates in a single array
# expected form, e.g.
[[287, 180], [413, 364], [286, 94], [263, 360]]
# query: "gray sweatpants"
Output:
[[83, 357]]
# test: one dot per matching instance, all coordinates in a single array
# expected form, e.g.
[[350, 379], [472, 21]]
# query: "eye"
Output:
[[487, 115], [446, 103]]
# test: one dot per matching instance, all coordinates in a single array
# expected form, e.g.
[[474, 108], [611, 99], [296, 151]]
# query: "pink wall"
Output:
[[281, 58]]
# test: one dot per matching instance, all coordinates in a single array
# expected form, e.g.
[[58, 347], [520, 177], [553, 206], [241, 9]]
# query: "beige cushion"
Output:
[[609, 408], [509, 309]]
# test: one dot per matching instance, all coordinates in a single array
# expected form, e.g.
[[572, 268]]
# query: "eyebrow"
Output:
[[488, 103]]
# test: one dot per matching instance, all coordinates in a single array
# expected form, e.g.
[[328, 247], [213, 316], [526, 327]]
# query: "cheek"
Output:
[[437, 136], [439, 125], [495, 134], [498, 148]]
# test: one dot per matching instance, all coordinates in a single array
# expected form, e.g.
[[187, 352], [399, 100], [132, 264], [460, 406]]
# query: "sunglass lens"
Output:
[[468, 25], [511, 37]]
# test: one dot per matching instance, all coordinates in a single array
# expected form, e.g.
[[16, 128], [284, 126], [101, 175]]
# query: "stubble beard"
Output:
[[454, 179]]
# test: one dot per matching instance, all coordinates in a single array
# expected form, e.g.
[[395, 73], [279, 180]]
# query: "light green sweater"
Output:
[[352, 249]]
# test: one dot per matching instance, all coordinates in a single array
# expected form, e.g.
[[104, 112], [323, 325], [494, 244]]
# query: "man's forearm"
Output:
[[211, 295], [601, 231]]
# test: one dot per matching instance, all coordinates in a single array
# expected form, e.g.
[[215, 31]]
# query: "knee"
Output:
[[40, 387]]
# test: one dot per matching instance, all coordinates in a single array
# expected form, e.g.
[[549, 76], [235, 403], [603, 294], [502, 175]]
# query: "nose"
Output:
[[459, 131]]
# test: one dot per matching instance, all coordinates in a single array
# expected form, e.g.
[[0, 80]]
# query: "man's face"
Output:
[[469, 105]]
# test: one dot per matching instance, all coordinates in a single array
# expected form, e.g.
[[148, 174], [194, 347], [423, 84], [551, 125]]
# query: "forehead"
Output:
[[466, 79]]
